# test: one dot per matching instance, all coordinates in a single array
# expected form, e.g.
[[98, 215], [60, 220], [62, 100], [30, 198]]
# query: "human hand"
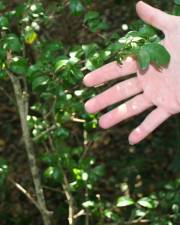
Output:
[[153, 87]]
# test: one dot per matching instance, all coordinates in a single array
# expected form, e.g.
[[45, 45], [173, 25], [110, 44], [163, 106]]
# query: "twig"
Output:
[[45, 132], [70, 200], [80, 213], [25, 192], [21, 104], [52, 189], [78, 120], [86, 145]]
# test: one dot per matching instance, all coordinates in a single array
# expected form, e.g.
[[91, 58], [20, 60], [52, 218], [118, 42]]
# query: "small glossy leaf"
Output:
[[61, 63], [49, 159], [76, 7], [4, 22], [147, 31], [99, 171], [30, 37], [143, 58], [53, 46], [39, 81], [53, 173], [94, 62], [146, 202], [124, 201], [158, 54], [177, 2], [62, 133], [12, 43], [91, 15], [176, 10], [88, 204], [37, 8], [19, 66]]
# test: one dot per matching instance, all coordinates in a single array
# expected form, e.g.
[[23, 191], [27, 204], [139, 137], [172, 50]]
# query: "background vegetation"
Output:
[[56, 165]]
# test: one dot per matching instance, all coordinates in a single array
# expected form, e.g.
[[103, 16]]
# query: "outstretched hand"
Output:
[[153, 87]]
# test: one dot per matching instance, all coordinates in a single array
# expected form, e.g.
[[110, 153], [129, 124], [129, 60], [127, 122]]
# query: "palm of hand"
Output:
[[159, 88]]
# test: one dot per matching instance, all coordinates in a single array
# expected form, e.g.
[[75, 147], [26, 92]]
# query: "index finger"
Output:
[[110, 71]]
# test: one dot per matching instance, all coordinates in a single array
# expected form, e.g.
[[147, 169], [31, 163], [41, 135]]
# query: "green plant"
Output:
[[57, 133]]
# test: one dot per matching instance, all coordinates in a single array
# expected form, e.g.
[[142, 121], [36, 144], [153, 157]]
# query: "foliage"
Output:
[[61, 130]]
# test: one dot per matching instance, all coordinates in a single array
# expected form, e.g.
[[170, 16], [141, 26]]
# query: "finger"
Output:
[[152, 121], [131, 108], [153, 16], [117, 93], [110, 71]]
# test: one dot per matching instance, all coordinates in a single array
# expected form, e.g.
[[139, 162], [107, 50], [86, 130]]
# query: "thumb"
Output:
[[153, 16]]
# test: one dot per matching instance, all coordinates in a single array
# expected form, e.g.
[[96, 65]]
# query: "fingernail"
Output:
[[131, 143], [89, 107], [86, 81]]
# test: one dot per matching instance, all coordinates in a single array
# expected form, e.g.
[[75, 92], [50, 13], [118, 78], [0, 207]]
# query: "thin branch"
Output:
[[25, 95], [86, 145], [52, 189], [78, 120], [70, 199], [45, 132], [25, 192], [21, 104], [80, 213]]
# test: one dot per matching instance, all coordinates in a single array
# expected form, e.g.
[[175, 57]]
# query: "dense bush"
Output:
[[75, 182]]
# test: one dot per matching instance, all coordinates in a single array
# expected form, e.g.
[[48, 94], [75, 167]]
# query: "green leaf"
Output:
[[30, 37], [94, 62], [143, 58], [76, 7], [177, 2], [2, 6], [176, 10], [39, 81], [12, 42], [124, 201], [62, 133], [98, 171], [53, 173], [91, 15], [158, 54], [49, 159], [53, 46], [147, 31], [37, 9], [146, 202], [19, 66], [61, 63], [90, 49], [88, 204], [76, 72], [4, 22], [2, 74], [2, 54], [114, 47]]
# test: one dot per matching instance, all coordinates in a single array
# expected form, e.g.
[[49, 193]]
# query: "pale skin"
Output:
[[158, 90]]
